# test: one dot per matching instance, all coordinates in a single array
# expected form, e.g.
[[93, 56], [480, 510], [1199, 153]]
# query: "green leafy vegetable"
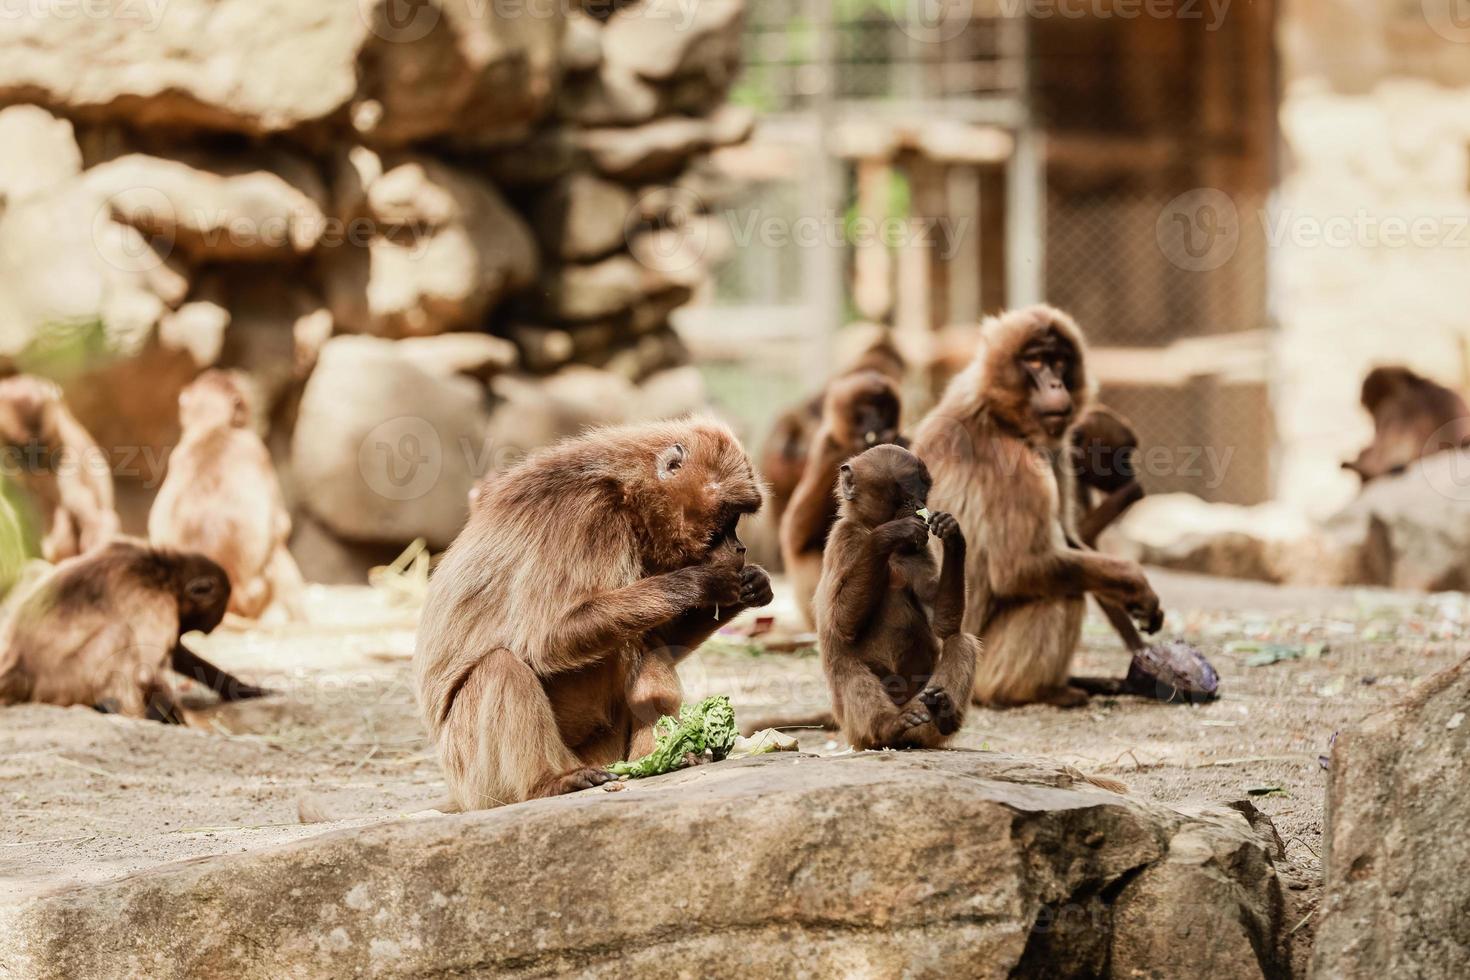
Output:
[[923, 513], [710, 724]]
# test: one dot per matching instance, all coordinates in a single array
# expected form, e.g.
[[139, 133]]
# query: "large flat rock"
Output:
[[872, 864]]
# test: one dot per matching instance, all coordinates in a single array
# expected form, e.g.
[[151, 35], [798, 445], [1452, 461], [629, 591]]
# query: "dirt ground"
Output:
[[87, 797]]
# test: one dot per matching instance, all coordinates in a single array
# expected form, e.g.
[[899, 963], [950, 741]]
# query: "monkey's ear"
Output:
[[847, 482], [670, 460]]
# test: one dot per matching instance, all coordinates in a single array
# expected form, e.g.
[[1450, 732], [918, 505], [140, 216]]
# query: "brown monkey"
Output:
[[1104, 449], [899, 666], [548, 642], [861, 410], [221, 498], [104, 629], [996, 445], [1413, 417], [784, 455], [58, 465]]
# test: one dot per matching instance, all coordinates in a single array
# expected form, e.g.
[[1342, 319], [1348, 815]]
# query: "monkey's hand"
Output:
[[755, 587], [1143, 606], [719, 584], [906, 534], [944, 527]]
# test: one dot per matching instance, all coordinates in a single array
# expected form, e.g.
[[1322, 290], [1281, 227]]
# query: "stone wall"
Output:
[[503, 200], [1373, 214]]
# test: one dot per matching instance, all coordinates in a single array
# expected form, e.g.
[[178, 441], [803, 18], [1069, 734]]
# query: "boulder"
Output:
[[478, 355], [78, 281], [608, 96], [430, 248], [871, 864], [1412, 531], [397, 73], [197, 328], [235, 210], [659, 40], [590, 292], [385, 451], [40, 152], [583, 217], [1398, 829], [581, 45], [661, 147], [671, 393]]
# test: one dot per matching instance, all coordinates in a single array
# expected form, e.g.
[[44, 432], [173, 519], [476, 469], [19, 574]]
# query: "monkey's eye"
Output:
[[201, 590]]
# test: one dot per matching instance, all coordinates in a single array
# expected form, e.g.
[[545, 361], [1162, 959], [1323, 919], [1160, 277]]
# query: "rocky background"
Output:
[[435, 235]]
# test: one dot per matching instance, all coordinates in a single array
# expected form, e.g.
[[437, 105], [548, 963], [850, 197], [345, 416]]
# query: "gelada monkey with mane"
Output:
[[548, 642], [58, 466], [997, 447], [221, 498], [860, 410], [889, 616], [104, 629]]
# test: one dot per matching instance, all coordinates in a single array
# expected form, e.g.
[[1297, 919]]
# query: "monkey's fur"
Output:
[[860, 410], [59, 466], [103, 629], [553, 624], [1413, 417], [784, 454], [222, 499], [996, 445], [898, 664]]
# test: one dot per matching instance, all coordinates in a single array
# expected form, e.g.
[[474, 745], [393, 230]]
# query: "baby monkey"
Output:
[[888, 613]]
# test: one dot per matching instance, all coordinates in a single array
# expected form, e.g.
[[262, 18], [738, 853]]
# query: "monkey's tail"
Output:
[[820, 720], [311, 809]]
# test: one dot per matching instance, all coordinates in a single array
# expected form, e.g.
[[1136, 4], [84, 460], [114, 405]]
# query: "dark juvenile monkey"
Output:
[[548, 642], [898, 664], [222, 499], [861, 410], [58, 465], [1104, 451], [996, 445], [1413, 417], [103, 629], [784, 455]]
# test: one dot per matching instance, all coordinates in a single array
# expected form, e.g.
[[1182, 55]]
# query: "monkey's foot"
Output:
[[1065, 696], [571, 782], [942, 709]]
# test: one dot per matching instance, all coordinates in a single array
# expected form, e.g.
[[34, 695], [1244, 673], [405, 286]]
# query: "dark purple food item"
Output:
[[1172, 671]]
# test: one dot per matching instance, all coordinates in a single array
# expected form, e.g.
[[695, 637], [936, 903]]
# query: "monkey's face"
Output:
[[214, 400], [203, 591], [705, 483], [1049, 362], [882, 484], [864, 410], [26, 407]]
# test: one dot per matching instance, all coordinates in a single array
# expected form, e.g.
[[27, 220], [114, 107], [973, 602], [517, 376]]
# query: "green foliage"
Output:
[[710, 724]]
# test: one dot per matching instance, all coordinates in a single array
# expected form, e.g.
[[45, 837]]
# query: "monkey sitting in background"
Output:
[[59, 467], [1413, 417], [861, 410], [548, 643], [896, 659], [104, 629], [997, 446], [1104, 450], [784, 455], [221, 498]]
